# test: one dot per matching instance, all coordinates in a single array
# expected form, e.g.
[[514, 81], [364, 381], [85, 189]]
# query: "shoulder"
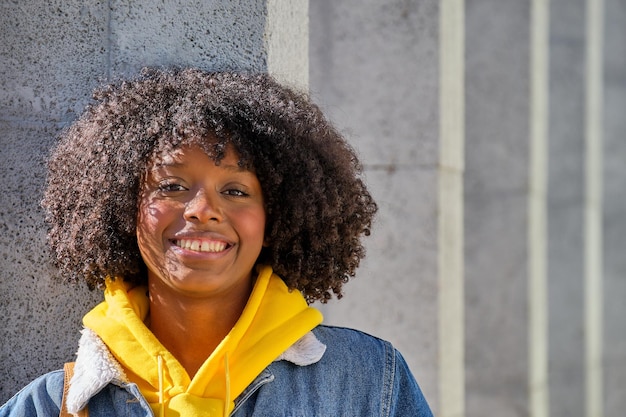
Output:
[[353, 345], [370, 361], [347, 335], [358, 371], [355, 356], [41, 397]]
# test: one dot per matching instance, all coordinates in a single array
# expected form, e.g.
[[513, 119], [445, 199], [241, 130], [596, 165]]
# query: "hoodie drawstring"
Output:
[[227, 383], [161, 394]]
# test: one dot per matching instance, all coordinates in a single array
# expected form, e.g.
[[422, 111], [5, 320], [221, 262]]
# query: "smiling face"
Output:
[[200, 226]]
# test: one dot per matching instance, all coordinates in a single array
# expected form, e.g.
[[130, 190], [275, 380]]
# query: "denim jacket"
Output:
[[356, 375]]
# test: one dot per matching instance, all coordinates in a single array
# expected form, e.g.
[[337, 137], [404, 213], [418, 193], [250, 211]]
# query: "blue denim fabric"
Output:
[[42, 397], [359, 375]]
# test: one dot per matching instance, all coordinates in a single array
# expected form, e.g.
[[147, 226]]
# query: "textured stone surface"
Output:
[[52, 55], [210, 34], [42, 316]]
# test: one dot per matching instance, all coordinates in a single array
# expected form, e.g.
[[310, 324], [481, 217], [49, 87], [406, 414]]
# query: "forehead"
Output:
[[194, 155], [172, 155]]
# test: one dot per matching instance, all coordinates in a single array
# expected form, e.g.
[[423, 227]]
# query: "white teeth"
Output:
[[201, 245]]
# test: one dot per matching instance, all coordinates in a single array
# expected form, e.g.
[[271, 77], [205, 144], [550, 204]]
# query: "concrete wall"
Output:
[[566, 208], [496, 190], [614, 225], [542, 315], [374, 70], [537, 326]]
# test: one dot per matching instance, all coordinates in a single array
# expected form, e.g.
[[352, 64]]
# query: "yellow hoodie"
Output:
[[273, 319]]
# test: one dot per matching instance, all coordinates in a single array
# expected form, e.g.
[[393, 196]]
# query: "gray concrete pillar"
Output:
[[566, 208], [614, 361], [541, 277], [374, 70], [496, 209]]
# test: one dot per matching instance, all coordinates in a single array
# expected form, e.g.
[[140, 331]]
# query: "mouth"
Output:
[[200, 245]]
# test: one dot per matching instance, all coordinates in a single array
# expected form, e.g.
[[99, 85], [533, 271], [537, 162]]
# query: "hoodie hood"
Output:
[[273, 320]]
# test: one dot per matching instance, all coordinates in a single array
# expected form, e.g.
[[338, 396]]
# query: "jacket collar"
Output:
[[95, 367]]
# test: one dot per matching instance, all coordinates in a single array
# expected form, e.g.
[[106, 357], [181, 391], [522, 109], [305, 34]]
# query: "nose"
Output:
[[202, 208]]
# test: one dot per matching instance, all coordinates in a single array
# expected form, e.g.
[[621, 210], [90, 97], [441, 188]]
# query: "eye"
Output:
[[235, 192], [171, 187]]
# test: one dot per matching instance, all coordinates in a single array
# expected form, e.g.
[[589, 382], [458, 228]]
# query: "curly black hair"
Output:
[[317, 206]]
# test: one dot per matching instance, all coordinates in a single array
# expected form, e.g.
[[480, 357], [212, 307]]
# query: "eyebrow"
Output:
[[229, 167]]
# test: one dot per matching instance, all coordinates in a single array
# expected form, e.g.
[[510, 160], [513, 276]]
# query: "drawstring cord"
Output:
[[227, 381], [160, 370]]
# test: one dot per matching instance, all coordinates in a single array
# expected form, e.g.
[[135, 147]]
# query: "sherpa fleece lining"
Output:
[[96, 367]]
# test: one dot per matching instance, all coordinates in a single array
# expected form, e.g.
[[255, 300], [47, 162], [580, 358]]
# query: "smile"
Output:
[[198, 245]]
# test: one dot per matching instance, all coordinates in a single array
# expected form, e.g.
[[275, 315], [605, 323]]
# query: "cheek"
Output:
[[255, 226]]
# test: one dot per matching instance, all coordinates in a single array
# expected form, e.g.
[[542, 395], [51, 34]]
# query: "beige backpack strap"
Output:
[[68, 368]]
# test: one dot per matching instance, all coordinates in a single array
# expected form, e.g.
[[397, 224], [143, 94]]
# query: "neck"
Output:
[[190, 327]]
